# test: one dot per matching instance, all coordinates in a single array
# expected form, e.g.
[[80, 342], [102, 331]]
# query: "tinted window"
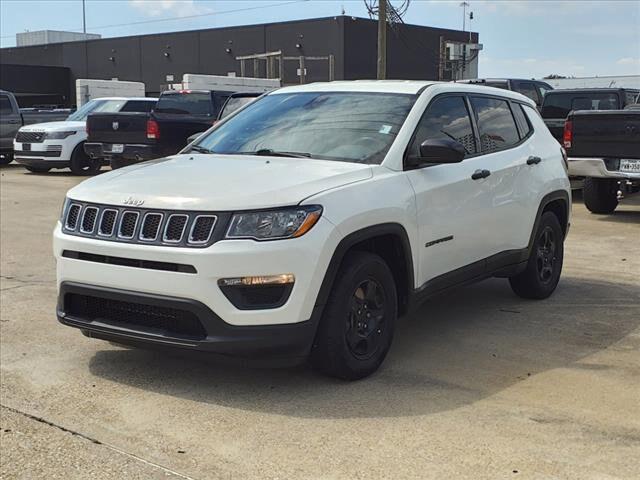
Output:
[[630, 98], [345, 126], [5, 105], [445, 117], [233, 104], [95, 106], [138, 106], [558, 105], [528, 90], [544, 88], [196, 103], [521, 120], [496, 125]]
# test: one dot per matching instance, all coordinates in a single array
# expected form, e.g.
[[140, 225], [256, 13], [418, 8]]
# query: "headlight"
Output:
[[274, 224], [59, 135], [65, 204]]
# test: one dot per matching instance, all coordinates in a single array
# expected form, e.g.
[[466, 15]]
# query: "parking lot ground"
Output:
[[478, 384]]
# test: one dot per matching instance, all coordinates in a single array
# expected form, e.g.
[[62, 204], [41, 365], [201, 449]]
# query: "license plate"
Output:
[[117, 148], [26, 147], [630, 166]]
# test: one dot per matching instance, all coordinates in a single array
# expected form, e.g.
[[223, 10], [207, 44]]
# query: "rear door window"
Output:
[[496, 124], [528, 89], [446, 117], [5, 105]]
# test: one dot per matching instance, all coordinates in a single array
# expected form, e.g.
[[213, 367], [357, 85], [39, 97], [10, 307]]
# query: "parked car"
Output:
[[534, 89], [12, 118], [603, 146], [139, 137], [559, 103], [305, 224], [45, 146], [233, 104]]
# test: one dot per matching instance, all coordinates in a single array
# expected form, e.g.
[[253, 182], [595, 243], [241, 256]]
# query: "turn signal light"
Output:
[[258, 280]]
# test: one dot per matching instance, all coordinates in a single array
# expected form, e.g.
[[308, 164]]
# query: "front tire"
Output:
[[6, 158], [542, 274], [600, 195], [358, 321], [82, 164]]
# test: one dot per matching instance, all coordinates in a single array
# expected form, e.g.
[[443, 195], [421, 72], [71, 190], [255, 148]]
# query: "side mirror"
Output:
[[437, 151]]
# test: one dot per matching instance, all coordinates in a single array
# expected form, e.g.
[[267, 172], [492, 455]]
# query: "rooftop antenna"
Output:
[[464, 6], [343, 10], [84, 18]]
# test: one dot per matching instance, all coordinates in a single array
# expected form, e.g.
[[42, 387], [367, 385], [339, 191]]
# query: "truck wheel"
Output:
[[540, 277], [600, 194], [82, 164], [38, 169], [6, 158], [358, 321]]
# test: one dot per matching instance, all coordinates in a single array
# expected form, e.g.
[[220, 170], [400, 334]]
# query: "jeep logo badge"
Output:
[[115, 125], [134, 202]]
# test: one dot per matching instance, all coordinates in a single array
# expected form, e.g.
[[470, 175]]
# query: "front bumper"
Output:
[[48, 153], [132, 152], [597, 168], [288, 344], [307, 258]]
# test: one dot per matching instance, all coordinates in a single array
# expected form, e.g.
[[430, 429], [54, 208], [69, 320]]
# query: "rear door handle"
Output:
[[533, 160], [478, 174]]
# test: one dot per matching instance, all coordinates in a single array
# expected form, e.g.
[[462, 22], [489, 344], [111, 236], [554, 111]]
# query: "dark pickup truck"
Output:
[[127, 138], [557, 104], [603, 147], [534, 89]]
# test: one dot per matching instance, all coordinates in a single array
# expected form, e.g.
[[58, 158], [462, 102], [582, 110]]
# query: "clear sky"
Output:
[[521, 38]]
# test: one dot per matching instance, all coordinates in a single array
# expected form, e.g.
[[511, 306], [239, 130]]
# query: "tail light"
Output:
[[153, 130], [567, 136]]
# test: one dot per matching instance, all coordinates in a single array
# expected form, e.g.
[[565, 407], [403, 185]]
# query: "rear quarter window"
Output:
[[524, 127], [5, 105], [496, 124]]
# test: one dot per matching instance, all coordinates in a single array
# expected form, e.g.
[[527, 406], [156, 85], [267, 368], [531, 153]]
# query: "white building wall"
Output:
[[623, 81], [88, 89]]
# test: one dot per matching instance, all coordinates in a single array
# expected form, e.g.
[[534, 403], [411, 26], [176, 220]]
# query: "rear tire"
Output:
[[6, 158], [358, 321], [600, 195], [82, 164], [38, 169], [542, 274]]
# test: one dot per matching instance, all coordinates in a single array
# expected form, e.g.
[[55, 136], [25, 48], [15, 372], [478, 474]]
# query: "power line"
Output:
[[186, 17]]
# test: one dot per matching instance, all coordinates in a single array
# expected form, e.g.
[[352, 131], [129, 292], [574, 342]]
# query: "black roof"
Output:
[[591, 90]]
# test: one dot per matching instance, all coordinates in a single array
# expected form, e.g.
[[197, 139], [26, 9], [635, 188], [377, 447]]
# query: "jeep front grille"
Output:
[[141, 225]]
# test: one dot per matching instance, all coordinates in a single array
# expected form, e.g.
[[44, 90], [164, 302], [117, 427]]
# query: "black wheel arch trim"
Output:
[[546, 200], [354, 238]]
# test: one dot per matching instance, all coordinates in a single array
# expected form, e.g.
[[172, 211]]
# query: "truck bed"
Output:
[[605, 134]]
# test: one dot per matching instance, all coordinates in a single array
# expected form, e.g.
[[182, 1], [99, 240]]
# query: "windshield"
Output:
[[233, 104], [351, 127], [195, 103], [95, 106]]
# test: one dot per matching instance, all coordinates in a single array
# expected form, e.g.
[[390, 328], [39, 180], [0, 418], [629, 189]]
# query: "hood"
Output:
[[54, 126], [219, 182]]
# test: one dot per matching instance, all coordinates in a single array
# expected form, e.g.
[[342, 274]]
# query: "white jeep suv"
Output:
[[305, 223]]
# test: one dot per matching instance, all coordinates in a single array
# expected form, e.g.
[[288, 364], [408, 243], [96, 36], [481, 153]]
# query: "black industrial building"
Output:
[[413, 52]]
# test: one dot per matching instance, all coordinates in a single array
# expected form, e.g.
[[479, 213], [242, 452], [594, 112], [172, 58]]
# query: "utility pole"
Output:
[[382, 39], [84, 18], [464, 6]]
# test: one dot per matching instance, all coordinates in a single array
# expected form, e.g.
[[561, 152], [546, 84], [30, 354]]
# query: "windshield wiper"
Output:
[[199, 149], [267, 152]]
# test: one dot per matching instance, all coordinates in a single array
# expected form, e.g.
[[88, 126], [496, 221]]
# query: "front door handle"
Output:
[[478, 174], [533, 160]]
